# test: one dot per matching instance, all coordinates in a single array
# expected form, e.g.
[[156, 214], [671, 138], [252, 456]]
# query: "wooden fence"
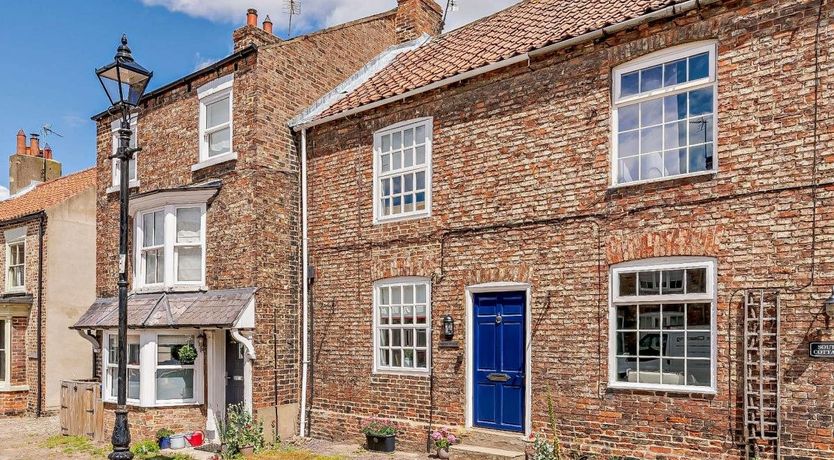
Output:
[[82, 411]]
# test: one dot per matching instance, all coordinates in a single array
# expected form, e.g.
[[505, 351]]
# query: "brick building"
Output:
[[44, 224], [215, 227], [609, 200]]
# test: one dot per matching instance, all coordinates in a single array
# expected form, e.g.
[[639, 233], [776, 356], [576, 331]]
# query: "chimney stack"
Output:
[[268, 25], [252, 17], [417, 17], [21, 143], [47, 152], [35, 145]]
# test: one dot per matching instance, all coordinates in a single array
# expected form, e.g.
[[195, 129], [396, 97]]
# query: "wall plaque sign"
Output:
[[822, 350]]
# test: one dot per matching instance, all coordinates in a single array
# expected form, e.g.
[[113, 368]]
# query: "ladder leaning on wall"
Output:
[[762, 375]]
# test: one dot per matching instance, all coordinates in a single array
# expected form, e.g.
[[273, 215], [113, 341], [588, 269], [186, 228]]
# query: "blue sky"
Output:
[[50, 48]]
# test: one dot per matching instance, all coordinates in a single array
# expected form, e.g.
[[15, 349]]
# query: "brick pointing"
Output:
[[521, 193]]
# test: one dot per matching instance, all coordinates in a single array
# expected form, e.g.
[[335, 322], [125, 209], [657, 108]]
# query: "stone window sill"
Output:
[[232, 156], [13, 388], [115, 188]]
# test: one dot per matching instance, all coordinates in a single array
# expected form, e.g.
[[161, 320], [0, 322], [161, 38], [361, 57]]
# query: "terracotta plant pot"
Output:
[[442, 452], [247, 451]]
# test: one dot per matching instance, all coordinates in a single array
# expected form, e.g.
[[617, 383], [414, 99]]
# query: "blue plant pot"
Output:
[[165, 443]]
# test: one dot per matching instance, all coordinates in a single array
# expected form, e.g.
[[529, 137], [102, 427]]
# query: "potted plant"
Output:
[[240, 433], [163, 436], [442, 440], [380, 435], [187, 353]]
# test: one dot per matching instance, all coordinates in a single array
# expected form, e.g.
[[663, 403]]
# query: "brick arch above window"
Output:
[[623, 246]]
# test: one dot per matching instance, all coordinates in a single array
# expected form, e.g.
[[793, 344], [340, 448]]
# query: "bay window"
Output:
[[402, 319], [663, 325], [164, 368], [170, 246], [664, 115], [402, 171]]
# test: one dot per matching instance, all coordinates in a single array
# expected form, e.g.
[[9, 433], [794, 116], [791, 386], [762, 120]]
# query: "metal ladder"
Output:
[[762, 372]]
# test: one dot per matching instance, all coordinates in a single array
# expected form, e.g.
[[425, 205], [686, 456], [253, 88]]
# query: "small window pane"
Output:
[[698, 344], [397, 359], [386, 143], [421, 359], [383, 357], [420, 293], [408, 337], [629, 170], [147, 229], [699, 66], [383, 336], [188, 225], [420, 314], [651, 112], [159, 228], [674, 316], [408, 315], [628, 144], [420, 134], [627, 369], [673, 344], [651, 78], [217, 113], [700, 130], [189, 263], [672, 282], [383, 315], [649, 370], [173, 384], [696, 280], [408, 183], [651, 139], [386, 163], [408, 358], [700, 101], [408, 158], [420, 155], [673, 372], [674, 135], [628, 117], [650, 344], [700, 158], [698, 373], [629, 84], [674, 107], [627, 317], [649, 283], [396, 141], [674, 161], [219, 142], [674, 73], [651, 166], [649, 317], [383, 296], [698, 316], [421, 337], [396, 315], [168, 348], [627, 343], [396, 295], [408, 137], [397, 182]]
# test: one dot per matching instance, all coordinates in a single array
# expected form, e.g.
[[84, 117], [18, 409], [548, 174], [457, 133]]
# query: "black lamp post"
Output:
[[124, 81]]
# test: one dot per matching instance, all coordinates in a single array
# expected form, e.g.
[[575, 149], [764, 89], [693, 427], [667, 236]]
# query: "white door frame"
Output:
[[470, 295]]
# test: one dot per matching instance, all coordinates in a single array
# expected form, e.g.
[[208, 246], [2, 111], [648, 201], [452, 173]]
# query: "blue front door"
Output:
[[499, 360]]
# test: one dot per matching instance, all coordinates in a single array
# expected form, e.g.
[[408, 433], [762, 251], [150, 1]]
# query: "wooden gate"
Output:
[[82, 411]]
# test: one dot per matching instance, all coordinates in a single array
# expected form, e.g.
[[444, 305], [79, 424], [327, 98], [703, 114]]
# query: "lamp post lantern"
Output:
[[124, 81]]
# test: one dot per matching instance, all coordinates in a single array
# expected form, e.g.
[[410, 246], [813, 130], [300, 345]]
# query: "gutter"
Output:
[[193, 75], [90, 338], [305, 362], [666, 12]]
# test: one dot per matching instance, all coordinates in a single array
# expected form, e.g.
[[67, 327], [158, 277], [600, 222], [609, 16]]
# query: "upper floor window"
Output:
[[402, 170], [402, 315], [171, 246], [116, 164], [16, 259], [663, 325], [664, 115], [216, 119]]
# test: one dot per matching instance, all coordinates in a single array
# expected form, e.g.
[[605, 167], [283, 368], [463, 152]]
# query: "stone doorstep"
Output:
[[494, 439], [194, 453], [473, 452]]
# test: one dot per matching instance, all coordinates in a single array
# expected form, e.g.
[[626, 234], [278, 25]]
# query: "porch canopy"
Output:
[[226, 308]]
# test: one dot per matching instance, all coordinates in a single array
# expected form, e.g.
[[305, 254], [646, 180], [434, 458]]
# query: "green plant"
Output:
[[164, 433], [443, 438], [542, 448], [379, 427], [145, 448], [74, 445], [187, 353], [240, 430]]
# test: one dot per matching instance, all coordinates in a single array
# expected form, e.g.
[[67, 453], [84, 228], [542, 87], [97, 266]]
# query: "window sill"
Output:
[[13, 388], [155, 405], [175, 288], [711, 172], [15, 291], [401, 372], [116, 188], [389, 219], [681, 389], [232, 156]]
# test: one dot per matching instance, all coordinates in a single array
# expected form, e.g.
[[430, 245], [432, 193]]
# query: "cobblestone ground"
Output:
[[24, 438]]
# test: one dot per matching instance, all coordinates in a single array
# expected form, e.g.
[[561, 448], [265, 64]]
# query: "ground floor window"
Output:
[[164, 368], [662, 324], [5, 339], [402, 319]]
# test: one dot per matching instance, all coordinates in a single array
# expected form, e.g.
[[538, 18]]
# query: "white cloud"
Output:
[[317, 12], [201, 62]]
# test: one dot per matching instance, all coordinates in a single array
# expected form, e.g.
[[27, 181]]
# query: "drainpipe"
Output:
[[247, 366], [305, 362], [39, 406]]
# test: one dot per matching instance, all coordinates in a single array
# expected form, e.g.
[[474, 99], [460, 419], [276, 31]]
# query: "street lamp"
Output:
[[124, 81]]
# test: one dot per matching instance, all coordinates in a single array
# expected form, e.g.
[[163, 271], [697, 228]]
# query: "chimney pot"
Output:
[[268, 25], [21, 143], [252, 17], [34, 146], [47, 152]]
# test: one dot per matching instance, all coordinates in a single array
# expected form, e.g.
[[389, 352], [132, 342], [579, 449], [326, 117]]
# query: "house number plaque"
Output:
[[822, 350]]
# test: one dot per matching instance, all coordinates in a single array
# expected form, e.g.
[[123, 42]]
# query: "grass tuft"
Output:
[[74, 445]]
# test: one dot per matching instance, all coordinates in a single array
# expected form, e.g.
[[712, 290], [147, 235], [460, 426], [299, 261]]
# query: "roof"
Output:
[[219, 308], [519, 29], [47, 194]]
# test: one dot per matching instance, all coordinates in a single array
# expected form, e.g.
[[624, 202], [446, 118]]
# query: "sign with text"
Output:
[[822, 350]]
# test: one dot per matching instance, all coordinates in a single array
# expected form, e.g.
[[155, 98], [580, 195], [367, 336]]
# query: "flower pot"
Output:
[[442, 452], [165, 442], [381, 443], [247, 451], [177, 441]]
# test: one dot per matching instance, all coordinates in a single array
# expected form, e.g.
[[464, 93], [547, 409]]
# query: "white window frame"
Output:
[[148, 343], [710, 296], [15, 237], [378, 217], [169, 247], [209, 93], [653, 59], [107, 366], [379, 369], [7, 350], [115, 162]]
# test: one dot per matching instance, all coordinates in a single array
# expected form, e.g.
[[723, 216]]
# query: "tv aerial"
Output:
[[291, 8], [46, 130], [451, 5]]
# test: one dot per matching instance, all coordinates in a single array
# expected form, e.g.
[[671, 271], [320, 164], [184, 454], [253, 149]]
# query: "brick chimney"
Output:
[[416, 17], [31, 164], [251, 34]]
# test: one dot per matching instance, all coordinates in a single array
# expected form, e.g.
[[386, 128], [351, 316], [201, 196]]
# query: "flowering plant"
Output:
[[443, 438], [379, 427], [240, 430]]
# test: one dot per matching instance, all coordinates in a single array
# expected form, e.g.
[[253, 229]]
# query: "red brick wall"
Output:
[[13, 402], [521, 193], [144, 422], [417, 17]]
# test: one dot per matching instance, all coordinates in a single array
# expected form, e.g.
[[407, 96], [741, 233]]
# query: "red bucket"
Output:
[[195, 439]]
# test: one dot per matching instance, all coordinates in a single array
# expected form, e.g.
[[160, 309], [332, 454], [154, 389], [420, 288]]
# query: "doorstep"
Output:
[[473, 452], [194, 453]]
